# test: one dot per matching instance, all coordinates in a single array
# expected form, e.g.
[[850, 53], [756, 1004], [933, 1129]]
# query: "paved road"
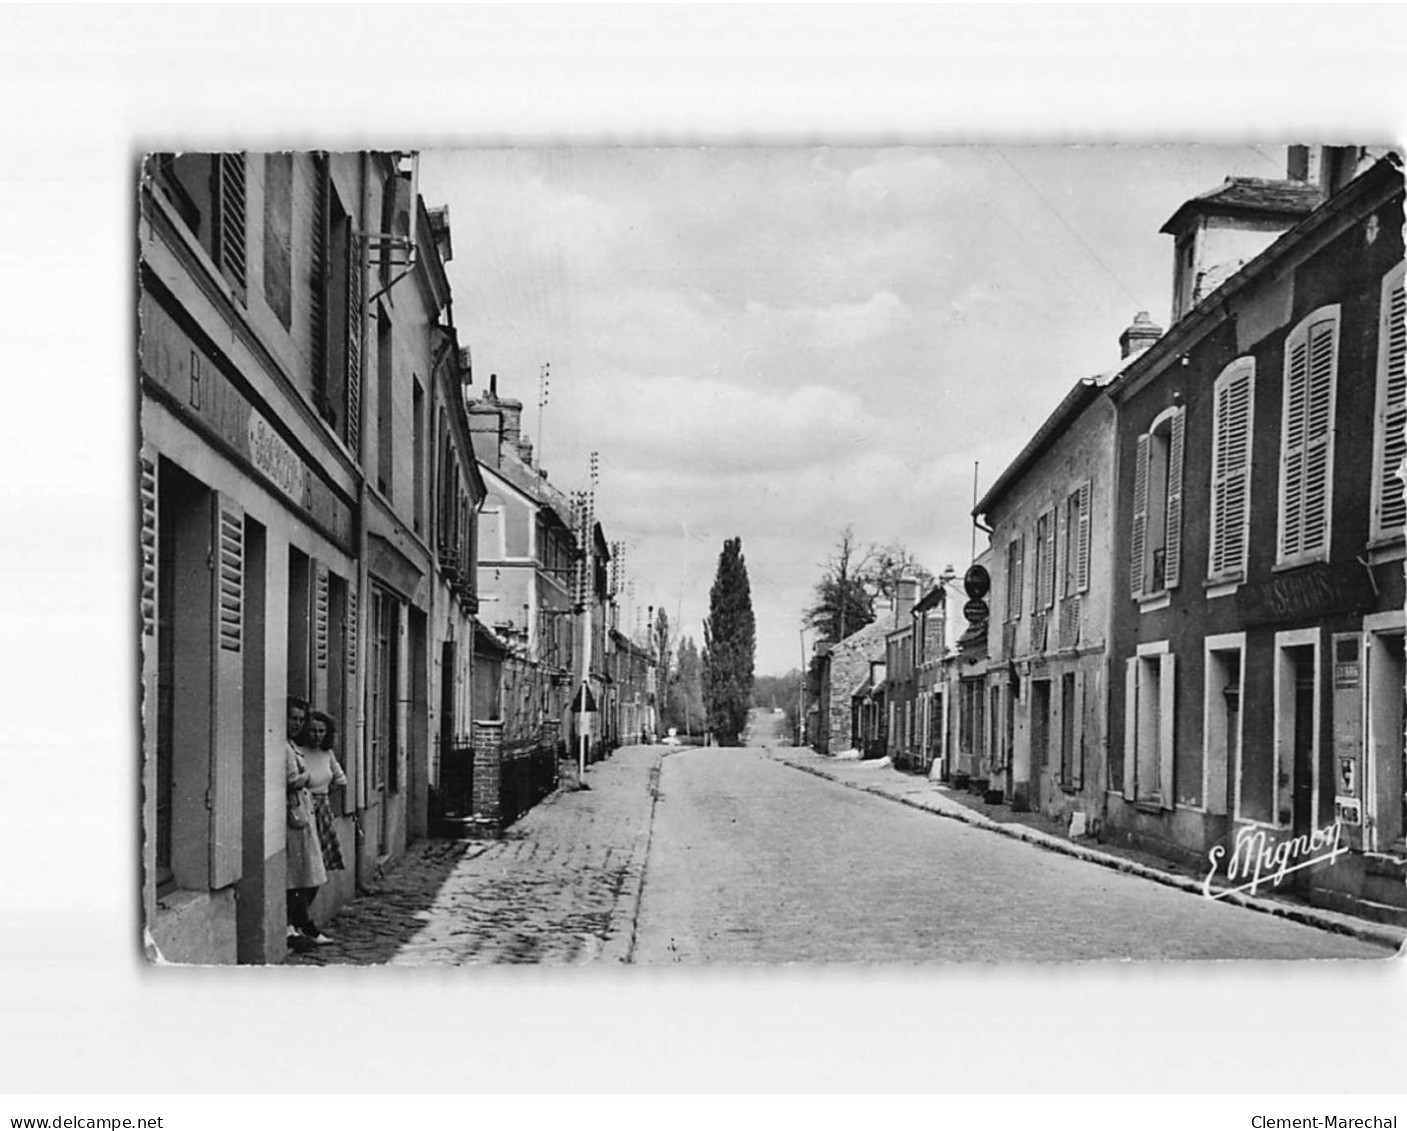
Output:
[[752, 861], [560, 888]]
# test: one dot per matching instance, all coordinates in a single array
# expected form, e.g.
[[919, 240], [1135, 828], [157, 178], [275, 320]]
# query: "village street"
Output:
[[687, 855]]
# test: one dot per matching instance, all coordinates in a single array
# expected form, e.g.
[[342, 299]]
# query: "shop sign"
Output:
[[1312, 591], [271, 454]]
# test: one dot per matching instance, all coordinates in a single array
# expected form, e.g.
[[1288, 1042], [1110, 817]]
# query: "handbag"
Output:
[[297, 811]]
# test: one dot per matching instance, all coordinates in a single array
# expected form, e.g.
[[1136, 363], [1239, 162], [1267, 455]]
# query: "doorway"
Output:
[[1040, 736]]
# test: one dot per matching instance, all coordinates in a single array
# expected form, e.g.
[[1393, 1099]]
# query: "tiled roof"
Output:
[[1249, 195]]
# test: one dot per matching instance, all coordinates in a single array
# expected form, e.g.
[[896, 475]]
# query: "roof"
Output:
[[1074, 403], [1249, 196], [1365, 192]]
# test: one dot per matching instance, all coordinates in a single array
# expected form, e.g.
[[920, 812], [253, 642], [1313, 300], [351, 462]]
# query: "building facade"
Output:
[[293, 327], [1257, 618]]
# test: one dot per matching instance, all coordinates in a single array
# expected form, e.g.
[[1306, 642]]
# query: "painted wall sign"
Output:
[[1312, 591], [202, 393], [272, 455]]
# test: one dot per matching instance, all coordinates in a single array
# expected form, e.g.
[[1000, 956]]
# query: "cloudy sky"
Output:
[[777, 342]]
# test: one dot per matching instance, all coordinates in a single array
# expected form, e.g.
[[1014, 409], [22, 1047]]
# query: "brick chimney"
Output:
[[905, 596], [1139, 335]]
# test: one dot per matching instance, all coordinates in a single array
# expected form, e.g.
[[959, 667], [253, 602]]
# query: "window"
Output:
[[1389, 443], [209, 192], [1044, 587], [1155, 559], [1307, 438], [278, 235], [1015, 562], [1148, 726], [1077, 535], [1231, 470]]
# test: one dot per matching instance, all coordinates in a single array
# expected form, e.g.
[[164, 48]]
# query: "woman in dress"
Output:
[[306, 872], [323, 773]]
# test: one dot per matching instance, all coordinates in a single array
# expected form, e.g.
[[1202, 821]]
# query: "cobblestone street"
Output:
[[561, 887], [728, 856]]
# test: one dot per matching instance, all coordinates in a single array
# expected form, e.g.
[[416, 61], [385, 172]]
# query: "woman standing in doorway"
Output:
[[306, 872], [323, 773]]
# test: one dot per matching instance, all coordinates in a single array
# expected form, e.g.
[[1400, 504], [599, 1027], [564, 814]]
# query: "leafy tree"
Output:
[[844, 601], [730, 646], [887, 564], [685, 702]]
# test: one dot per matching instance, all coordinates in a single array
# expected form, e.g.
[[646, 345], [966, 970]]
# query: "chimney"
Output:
[[512, 417], [905, 596], [1139, 335], [485, 426], [525, 451]]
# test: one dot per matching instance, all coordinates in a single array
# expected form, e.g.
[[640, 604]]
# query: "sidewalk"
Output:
[[936, 797], [561, 887]]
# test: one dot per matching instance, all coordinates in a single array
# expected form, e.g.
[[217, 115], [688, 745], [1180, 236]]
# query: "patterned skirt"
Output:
[[327, 834]]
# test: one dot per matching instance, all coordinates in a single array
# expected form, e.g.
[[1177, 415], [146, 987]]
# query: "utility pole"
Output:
[[588, 512], [801, 689], [544, 389]]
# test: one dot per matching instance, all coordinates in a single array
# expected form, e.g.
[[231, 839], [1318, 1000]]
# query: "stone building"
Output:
[[296, 357]]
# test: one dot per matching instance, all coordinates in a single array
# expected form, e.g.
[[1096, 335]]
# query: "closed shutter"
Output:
[[1390, 511], [1019, 575], [1139, 540], [227, 696], [356, 320], [149, 556], [1307, 436], [351, 753], [1130, 727], [1166, 747], [1077, 777], [321, 630], [230, 221], [320, 278], [1231, 463], [1083, 537], [1060, 564], [1172, 538]]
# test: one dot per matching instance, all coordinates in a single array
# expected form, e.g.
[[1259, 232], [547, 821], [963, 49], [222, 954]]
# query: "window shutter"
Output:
[[1052, 546], [149, 556], [1307, 436], [1020, 582], [356, 320], [1082, 550], [321, 276], [1130, 727], [1077, 729], [1172, 540], [1140, 516], [321, 632], [231, 256], [227, 696], [1390, 511], [1166, 672], [1231, 471], [1059, 557], [350, 755], [1036, 543]]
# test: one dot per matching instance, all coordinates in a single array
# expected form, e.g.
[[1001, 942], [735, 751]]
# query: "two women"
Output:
[[313, 848]]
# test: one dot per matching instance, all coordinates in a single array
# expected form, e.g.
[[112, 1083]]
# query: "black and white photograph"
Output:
[[773, 555]]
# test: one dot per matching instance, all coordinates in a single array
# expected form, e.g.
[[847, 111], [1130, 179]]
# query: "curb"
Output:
[[619, 944], [1365, 932]]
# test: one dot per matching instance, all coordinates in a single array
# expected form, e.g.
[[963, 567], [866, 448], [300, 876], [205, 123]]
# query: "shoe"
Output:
[[320, 939]]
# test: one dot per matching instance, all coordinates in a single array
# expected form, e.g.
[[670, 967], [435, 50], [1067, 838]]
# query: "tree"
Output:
[[659, 646], [844, 602], [685, 702], [730, 646], [888, 564]]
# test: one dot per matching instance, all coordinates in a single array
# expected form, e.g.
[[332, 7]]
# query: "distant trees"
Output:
[[857, 580], [684, 708], [770, 692], [730, 646]]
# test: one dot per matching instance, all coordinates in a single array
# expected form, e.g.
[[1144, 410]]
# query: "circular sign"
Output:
[[977, 582], [975, 611]]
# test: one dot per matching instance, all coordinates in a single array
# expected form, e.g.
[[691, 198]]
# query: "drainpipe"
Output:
[[363, 576]]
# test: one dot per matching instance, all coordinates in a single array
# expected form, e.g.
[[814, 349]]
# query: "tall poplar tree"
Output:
[[730, 646]]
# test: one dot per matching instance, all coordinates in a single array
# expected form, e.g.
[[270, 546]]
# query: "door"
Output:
[[1040, 736], [1302, 738]]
